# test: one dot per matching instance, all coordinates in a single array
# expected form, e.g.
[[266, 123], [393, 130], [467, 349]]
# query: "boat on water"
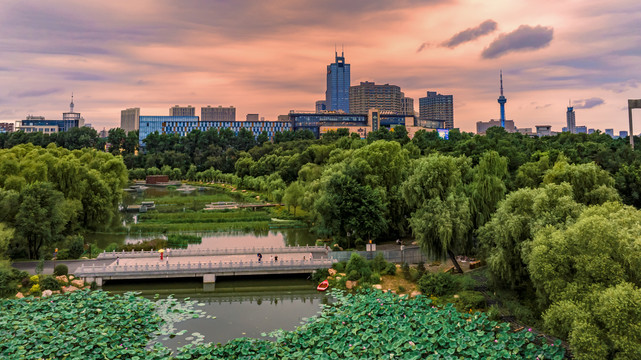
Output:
[[323, 286]]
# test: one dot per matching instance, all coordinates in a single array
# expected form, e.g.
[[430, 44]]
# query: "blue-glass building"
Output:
[[183, 125], [338, 80]]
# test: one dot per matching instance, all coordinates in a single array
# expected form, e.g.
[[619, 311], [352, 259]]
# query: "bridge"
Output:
[[207, 264]]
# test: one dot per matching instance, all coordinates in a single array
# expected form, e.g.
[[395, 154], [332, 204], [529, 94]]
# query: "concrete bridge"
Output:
[[316, 251], [206, 264]]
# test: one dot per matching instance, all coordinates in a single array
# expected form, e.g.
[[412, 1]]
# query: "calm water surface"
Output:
[[242, 308]]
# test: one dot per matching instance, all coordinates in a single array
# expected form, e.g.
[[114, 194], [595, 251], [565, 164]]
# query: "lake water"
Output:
[[235, 308]]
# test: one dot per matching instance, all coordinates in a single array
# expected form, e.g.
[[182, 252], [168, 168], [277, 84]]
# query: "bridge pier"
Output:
[[209, 278]]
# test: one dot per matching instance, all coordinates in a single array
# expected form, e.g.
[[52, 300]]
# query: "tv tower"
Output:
[[502, 100]]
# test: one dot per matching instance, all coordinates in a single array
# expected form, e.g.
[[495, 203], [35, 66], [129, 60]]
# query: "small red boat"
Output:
[[323, 286]]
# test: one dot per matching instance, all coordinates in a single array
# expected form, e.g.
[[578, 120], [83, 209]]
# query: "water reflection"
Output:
[[237, 308]]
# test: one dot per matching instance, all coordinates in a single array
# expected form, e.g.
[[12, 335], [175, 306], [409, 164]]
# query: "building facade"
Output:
[[251, 117], [437, 107], [129, 119], [407, 105], [69, 120], [183, 125], [338, 81], [571, 120], [368, 95], [218, 113], [321, 105], [182, 111], [482, 126], [7, 127]]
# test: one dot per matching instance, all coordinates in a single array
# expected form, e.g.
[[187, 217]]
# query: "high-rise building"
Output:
[[609, 132], [251, 117], [591, 131], [368, 95], [623, 134], [407, 105], [129, 119], [502, 100], [338, 81], [321, 105], [571, 121], [581, 129], [73, 117], [437, 107], [182, 111], [219, 113]]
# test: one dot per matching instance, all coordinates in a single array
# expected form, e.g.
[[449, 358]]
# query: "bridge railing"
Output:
[[163, 268], [209, 252]]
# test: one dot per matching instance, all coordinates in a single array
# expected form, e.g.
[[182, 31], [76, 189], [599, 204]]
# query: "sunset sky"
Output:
[[269, 57]]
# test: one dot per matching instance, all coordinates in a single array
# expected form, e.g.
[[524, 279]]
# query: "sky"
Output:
[[270, 57]]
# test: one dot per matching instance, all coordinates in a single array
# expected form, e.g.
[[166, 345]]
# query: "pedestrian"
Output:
[[117, 260], [276, 258], [260, 256]]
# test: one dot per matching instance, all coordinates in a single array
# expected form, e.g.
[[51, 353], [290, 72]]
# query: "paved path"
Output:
[[73, 265]]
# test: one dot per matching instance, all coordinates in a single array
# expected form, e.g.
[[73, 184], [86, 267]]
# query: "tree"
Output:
[[40, 219], [589, 274], [591, 184], [517, 219], [116, 138], [487, 188], [441, 218], [6, 234], [349, 210], [293, 195]]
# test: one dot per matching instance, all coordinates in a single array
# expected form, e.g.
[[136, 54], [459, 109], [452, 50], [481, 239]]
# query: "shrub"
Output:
[[320, 275], [378, 264], [25, 282], [494, 313], [405, 269], [35, 289], [375, 278], [61, 269], [353, 275], [93, 286], [34, 279], [356, 263], [49, 283], [420, 268], [390, 269], [7, 286], [111, 247], [76, 246], [339, 266], [437, 284], [401, 289], [468, 300]]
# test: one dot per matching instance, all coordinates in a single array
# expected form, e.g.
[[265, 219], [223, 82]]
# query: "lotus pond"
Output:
[[367, 325]]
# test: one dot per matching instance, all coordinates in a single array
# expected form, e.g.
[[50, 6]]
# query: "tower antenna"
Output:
[[501, 72]]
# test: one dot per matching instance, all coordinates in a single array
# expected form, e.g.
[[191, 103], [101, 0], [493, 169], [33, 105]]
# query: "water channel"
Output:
[[234, 307]]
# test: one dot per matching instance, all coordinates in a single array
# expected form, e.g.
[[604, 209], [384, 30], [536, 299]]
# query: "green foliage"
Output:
[[339, 266], [470, 300], [320, 275], [390, 269], [182, 241], [76, 246], [49, 283], [83, 324], [405, 269], [380, 325], [437, 284], [61, 269], [514, 224]]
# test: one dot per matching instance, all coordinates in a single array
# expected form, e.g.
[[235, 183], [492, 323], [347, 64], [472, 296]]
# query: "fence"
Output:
[[411, 255], [160, 269], [210, 252]]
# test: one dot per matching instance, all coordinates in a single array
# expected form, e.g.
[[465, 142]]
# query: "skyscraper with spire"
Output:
[[502, 100], [338, 80]]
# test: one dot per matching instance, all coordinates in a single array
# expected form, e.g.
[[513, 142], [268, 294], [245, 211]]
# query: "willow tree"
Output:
[[487, 188], [441, 219]]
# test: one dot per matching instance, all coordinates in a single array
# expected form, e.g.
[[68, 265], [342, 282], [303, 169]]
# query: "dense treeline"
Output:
[[547, 214], [48, 195]]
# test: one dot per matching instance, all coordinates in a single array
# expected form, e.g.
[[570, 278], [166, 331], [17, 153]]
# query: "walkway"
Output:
[[208, 265]]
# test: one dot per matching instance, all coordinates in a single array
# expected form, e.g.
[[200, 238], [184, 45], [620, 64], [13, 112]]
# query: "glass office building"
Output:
[[338, 80], [437, 107], [183, 125]]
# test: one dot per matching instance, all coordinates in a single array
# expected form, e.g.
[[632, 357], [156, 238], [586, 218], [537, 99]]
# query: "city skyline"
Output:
[[158, 54]]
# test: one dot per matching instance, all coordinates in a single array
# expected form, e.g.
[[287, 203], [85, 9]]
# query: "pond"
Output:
[[235, 308]]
